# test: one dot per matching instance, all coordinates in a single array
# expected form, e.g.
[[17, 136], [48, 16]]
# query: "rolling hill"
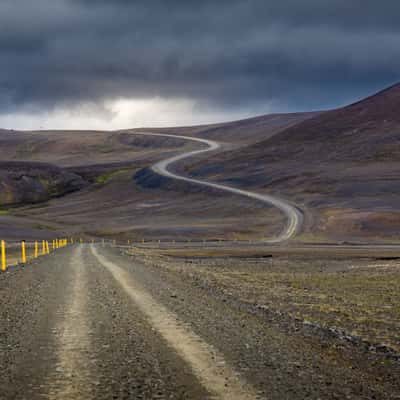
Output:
[[341, 166], [112, 203]]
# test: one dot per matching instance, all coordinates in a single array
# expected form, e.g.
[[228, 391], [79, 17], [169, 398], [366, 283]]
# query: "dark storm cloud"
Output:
[[294, 54]]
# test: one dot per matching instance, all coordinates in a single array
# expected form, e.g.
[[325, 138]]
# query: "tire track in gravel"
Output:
[[31, 297], [72, 376], [207, 364]]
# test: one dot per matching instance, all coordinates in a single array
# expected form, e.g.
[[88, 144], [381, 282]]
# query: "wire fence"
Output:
[[21, 252]]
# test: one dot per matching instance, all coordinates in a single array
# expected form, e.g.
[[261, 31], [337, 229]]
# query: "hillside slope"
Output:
[[342, 165], [241, 132]]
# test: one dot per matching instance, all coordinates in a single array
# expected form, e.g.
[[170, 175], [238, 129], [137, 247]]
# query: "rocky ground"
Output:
[[68, 331], [137, 323]]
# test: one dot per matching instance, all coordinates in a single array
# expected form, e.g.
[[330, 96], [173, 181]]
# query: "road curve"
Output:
[[293, 214]]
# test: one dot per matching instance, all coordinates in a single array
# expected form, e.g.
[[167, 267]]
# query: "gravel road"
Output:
[[293, 214], [68, 331], [94, 323]]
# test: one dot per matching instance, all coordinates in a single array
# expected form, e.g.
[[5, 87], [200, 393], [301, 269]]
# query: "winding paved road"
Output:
[[293, 214]]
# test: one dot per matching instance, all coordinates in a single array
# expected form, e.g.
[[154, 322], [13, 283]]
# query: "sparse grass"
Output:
[[106, 177], [360, 297], [42, 227], [5, 212], [312, 237]]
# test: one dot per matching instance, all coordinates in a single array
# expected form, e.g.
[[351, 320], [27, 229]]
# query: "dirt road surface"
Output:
[[293, 214], [93, 322]]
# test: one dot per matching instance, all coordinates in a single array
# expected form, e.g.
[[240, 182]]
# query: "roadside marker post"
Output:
[[43, 248], [3, 256], [23, 252], [36, 249], [47, 247]]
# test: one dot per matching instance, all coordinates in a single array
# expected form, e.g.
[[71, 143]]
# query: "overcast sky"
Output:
[[127, 63]]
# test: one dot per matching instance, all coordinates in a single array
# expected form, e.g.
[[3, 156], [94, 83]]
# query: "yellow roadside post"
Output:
[[3, 256], [36, 249], [129, 242], [23, 252], [43, 248], [47, 247]]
